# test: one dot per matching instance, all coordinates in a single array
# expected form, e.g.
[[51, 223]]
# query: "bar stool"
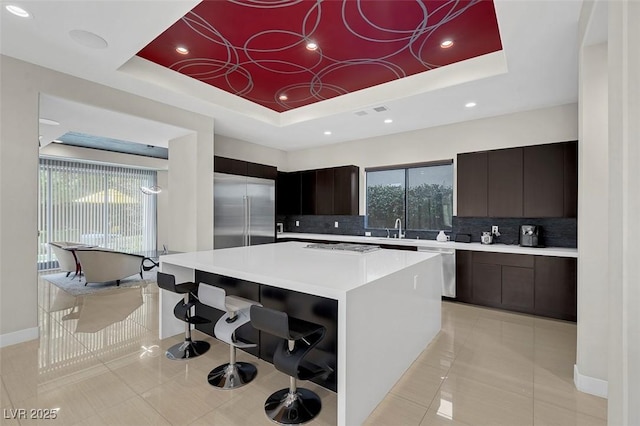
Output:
[[294, 405], [234, 374], [187, 349]]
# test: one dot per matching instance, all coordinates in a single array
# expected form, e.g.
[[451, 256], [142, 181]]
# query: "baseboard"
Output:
[[19, 336], [591, 385]]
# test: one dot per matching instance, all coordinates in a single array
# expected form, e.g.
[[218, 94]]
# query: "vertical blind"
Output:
[[94, 204]]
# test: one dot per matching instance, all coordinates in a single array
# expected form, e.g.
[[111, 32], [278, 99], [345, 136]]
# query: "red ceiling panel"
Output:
[[257, 48]]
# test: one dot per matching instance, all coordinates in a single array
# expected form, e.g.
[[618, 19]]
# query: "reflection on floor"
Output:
[[99, 362]]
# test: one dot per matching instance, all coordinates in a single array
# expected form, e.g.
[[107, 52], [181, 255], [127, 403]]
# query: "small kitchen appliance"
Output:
[[486, 238], [529, 235]]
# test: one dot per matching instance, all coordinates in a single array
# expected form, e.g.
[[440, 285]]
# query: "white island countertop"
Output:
[[496, 248], [292, 266]]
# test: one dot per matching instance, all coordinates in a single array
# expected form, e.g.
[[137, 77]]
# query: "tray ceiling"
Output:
[[257, 49]]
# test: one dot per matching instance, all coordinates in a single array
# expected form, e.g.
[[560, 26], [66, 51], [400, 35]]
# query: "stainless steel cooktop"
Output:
[[356, 248]]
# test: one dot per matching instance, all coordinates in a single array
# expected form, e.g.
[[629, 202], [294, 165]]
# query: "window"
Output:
[[420, 195], [95, 204]]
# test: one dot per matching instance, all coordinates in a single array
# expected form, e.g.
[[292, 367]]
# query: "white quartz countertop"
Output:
[[496, 248], [292, 266]]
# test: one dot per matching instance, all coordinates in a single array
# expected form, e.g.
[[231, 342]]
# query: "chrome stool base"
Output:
[[293, 408], [187, 350], [228, 376]]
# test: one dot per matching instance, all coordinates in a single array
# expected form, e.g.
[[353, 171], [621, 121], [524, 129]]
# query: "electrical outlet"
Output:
[[297, 223], [335, 224], [367, 233], [494, 230]]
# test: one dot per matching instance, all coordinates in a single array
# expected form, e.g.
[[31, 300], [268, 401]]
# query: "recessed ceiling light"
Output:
[[470, 104], [49, 122], [327, 132], [182, 50], [88, 39], [283, 97], [312, 45], [18, 11], [388, 120], [446, 44]]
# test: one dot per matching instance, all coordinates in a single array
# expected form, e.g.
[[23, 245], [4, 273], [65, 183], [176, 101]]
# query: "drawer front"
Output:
[[504, 259]]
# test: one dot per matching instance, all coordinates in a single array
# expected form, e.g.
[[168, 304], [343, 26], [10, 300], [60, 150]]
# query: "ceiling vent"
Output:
[[361, 113], [380, 109]]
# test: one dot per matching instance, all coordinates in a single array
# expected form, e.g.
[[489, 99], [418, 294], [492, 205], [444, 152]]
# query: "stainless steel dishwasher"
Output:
[[448, 268]]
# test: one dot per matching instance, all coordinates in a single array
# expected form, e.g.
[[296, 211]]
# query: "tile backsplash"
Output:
[[556, 232]]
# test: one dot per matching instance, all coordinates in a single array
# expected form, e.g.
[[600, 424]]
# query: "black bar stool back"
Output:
[[294, 405], [187, 349]]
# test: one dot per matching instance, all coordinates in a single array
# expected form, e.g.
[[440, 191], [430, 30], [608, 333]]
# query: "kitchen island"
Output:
[[388, 306]]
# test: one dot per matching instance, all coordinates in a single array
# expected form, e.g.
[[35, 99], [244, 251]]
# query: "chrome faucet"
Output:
[[398, 226]]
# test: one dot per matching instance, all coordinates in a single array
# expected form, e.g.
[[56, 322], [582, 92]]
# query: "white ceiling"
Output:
[[537, 68]]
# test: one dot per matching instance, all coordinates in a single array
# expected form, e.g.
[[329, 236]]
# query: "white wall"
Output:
[[191, 194], [21, 84], [624, 212], [247, 151], [540, 126], [593, 250]]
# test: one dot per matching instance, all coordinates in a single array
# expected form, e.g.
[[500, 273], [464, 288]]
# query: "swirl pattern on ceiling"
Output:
[[257, 49]]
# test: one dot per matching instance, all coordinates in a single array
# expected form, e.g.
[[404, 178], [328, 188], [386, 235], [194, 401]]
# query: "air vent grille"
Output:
[[361, 113], [380, 109]]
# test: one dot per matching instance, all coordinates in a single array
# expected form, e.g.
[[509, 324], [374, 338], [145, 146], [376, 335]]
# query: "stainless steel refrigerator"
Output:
[[244, 211]]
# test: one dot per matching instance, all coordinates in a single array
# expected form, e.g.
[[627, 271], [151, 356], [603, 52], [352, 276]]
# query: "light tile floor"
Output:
[[98, 361]]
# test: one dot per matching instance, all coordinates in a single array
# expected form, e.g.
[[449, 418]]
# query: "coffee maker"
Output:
[[529, 235]]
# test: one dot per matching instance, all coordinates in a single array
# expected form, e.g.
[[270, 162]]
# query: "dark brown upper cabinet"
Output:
[[243, 168], [230, 166], [330, 191], [534, 181], [262, 171], [324, 191], [288, 193], [346, 190], [570, 179], [472, 184], [504, 183], [543, 181], [308, 192]]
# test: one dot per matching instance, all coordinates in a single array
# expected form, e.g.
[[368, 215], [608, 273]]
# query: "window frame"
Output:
[[405, 168]]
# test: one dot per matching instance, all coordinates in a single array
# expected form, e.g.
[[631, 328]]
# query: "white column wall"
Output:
[[163, 222], [20, 86], [18, 201], [191, 194], [593, 215], [624, 212]]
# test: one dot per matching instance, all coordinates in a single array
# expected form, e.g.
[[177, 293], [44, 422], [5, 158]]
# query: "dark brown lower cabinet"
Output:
[[517, 287], [464, 269], [556, 287], [540, 285], [487, 284]]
